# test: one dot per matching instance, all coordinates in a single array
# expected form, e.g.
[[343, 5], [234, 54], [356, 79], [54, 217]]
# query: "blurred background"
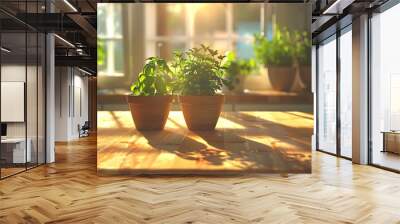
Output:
[[130, 33]]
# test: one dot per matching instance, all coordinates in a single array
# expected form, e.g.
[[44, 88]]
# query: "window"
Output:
[[385, 89], [346, 93], [183, 26], [110, 37], [327, 96]]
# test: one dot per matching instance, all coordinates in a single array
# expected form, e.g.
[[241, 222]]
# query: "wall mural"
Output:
[[205, 88]]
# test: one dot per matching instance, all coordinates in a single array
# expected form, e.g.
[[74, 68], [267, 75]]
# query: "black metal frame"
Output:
[[338, 98], [369, 90], [44, 80]]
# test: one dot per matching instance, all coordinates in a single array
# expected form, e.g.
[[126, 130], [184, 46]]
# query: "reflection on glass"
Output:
[[31, 98], [346, 94], [327, 97], [385, 114], [15, 149], [22, 96]]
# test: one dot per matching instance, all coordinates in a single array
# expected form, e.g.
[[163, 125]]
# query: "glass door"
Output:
[[326, 95], [385, 89], [345, 92], [22, 77]]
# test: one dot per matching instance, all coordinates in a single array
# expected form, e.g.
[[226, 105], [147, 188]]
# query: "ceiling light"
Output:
[[70, 5], [5, 50], [65, 41]]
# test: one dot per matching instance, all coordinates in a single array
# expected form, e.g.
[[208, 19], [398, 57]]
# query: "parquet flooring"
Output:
[[70, 191], [251, 141]]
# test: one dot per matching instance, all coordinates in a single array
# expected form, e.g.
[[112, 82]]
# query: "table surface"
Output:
[[390, 132], [243, 141], [13, 140]]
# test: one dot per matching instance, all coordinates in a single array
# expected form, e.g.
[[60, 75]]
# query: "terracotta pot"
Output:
[[305, 76], [149, 112], [201, 112], [281, 77]]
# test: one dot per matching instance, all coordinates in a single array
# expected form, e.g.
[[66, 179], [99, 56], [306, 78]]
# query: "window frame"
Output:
[[336, 36], [189, 37]]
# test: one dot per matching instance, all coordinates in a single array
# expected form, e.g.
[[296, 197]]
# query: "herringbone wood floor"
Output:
[[70, 191]]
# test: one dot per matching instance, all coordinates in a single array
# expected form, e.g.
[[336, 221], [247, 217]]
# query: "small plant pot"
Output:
[[149, 113], [281, 77], [201, 113]]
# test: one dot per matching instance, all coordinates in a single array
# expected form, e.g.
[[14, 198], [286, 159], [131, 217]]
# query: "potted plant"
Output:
[[302, 57], [151, 98], [199, 78], [236, 71], [276, 54]]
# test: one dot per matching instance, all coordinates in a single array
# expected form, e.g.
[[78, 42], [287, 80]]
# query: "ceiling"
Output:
[[75, 22]]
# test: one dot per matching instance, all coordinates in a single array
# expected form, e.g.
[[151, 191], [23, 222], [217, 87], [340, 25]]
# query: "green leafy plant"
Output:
[[154, 80], [276, 51], [101, 54], [301, 45], [198, 71], [236, 68]]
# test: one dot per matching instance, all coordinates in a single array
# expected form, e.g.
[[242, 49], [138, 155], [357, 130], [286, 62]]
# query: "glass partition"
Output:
[[22, 92], [31, 97], [385, 89], [346, 93], [14, 145], [327, 96]]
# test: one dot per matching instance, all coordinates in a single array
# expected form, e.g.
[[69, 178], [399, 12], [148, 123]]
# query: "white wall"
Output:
[[62, 81], [14, 73], [71, 103]]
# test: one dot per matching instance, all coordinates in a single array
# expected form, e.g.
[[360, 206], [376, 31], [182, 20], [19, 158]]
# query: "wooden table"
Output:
[[391, 141], [250, 142]]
